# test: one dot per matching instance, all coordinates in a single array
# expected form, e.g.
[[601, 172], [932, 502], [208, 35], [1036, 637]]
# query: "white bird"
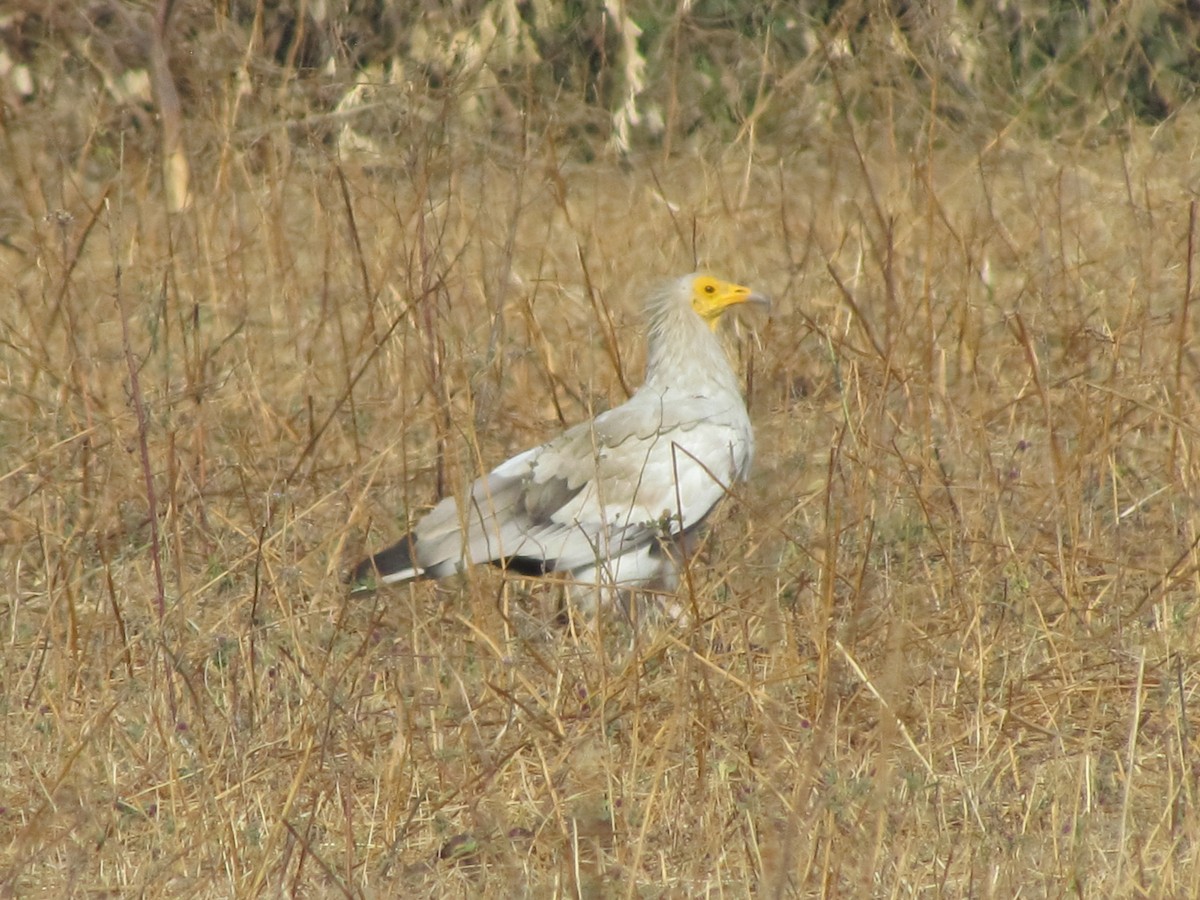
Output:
[[617, 501]]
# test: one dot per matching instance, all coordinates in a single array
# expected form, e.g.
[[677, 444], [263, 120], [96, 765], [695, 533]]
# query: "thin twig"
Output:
[[143, 442]]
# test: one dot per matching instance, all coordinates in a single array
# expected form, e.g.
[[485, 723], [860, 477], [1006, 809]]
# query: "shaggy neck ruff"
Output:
[[683, 351]]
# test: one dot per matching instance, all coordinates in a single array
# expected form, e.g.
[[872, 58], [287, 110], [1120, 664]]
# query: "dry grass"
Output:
[[947, 639]]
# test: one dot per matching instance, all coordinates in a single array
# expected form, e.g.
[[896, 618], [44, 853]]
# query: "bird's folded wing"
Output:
[[598, 490]]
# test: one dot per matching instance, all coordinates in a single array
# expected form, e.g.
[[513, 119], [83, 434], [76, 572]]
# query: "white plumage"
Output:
[[615, 501]]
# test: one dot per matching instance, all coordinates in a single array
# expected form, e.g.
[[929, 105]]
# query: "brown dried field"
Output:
[[945, 639]]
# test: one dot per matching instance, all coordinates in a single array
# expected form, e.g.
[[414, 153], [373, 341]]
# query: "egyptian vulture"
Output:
[[615, 502]]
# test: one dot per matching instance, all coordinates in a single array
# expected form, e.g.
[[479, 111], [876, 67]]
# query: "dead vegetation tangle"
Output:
[[946, 641]]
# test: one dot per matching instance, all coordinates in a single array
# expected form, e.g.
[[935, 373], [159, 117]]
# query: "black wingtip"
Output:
[[368, 575], [525, 565]]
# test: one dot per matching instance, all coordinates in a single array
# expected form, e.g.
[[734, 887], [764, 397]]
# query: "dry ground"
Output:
[[946, 637]]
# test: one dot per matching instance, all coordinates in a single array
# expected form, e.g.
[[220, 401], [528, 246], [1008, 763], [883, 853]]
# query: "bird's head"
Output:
[[711, 297]]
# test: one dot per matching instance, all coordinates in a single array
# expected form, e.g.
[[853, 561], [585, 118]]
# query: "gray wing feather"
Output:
[[600, 489]]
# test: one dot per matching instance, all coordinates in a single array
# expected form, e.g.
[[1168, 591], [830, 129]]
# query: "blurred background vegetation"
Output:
[[617, 76]]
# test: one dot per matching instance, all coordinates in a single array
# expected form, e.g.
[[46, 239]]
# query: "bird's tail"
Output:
[[394, 565]]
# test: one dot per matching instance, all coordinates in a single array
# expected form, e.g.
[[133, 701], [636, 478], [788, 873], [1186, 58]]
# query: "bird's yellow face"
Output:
[[711, 297]]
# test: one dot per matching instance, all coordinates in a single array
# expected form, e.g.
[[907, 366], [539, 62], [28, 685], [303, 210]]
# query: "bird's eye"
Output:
[[709, 289]]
